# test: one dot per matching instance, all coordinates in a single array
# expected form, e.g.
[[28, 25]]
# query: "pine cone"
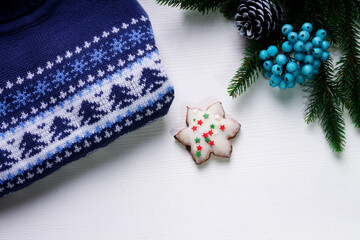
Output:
[[257, 18]]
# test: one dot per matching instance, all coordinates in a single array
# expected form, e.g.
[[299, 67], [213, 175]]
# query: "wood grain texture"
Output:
[[282, 181]]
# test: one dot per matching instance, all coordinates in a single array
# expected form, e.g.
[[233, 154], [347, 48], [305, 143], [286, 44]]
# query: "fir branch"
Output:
[[348, 67], [324, 105], [203, 6], [319, 13], [251, 64], [248, 72], [229, 8]]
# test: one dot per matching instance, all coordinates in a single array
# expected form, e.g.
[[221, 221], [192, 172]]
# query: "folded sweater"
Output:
[[74, 76]]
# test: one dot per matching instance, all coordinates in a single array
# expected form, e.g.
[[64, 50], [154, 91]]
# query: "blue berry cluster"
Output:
[[301, 57]]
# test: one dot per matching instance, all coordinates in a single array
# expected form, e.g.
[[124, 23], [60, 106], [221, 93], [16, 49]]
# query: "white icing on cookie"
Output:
[[208, 132]]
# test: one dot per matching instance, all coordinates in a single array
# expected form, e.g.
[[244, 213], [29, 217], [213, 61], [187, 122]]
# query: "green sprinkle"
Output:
[[212, 126], [197, 140], [198, 153], [194, 119], [206, 115], [207, 140]]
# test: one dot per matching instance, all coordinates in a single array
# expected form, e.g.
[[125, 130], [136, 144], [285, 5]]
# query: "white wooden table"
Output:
[[282, 181]]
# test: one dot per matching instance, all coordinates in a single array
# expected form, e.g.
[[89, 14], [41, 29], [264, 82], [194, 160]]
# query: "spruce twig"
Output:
[[229, 8], [348, 67], [324, 105], [203, 6], [248, 72], [251, 64]]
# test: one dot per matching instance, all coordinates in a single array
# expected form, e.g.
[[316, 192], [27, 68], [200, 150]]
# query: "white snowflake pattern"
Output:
[[59, 59], [40, 70], [110, 68], [90, 78], [68, 54], [101, 73], [105, 34], [96, 39], [87, 44], [124, 26], [19, 80], [134, 21], [9, 84], [131, 57], [78, 49], [30, 75], [49, 65], [115, 30]]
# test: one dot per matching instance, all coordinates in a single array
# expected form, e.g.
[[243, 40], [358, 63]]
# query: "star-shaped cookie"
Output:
[[208, 132]]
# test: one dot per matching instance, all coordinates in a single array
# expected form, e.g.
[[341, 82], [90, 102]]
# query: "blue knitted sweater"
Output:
[[74, 76]]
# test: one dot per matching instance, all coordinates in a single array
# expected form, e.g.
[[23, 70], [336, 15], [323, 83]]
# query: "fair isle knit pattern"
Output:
[[80, 100]]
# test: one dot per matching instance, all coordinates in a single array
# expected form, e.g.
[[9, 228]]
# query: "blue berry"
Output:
[[275, 79], [300, 79], [325, 45], [308, 47], [289, 77], [268, 74], [304, 36], [286, 46], [272, 51], [299, 56], [268, 65], [308, 59], [272, 84], [316, 41], [281, 59], [282, 85], [292, 37], [317, 52], [291, 67], [321, 33], [316, 63], [307, 27], [291, 84], [263, 55], [276, 69], [306, 69], [297, 72], [286, 29], [299, 46], [324, 56]]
